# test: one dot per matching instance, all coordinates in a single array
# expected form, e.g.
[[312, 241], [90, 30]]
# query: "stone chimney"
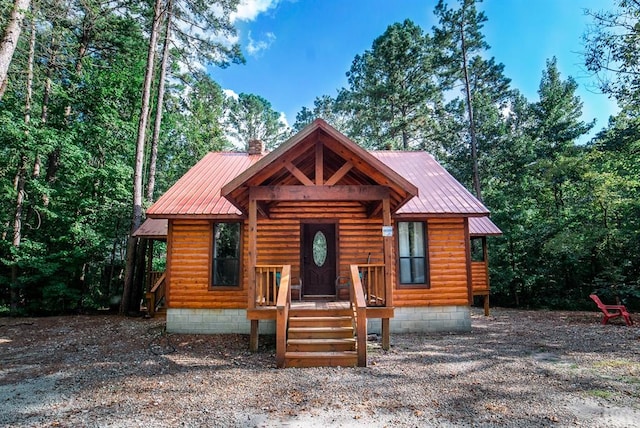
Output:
[[256, 147]]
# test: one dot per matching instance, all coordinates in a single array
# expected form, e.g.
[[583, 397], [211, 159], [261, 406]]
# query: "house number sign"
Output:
[[387, 230]]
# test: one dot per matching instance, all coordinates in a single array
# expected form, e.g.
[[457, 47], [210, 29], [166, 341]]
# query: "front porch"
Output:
[[320, 332]]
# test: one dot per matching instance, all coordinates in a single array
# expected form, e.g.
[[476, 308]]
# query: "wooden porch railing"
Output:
[[283, 304], [359, 306], [266, 289], [152, 278], [156, 295], [372, 278]]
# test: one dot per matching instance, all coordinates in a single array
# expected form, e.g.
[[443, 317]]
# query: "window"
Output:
[[412, 252], [477, 249], [226, 254]]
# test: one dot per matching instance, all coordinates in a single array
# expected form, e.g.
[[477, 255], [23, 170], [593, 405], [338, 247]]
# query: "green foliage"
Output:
[[328, 109], [612, 50], [251, 117], [393, 90]]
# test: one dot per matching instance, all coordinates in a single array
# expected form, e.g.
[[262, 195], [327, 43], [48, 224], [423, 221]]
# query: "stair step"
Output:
[[320, 345], [320, 332], [309, 312], [321, 359], [337, 321]]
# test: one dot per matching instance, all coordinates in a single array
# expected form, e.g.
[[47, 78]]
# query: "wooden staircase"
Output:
[[321, 337]]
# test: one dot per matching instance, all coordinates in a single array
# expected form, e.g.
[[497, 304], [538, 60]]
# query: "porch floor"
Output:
[[320, 305], [269, 312]]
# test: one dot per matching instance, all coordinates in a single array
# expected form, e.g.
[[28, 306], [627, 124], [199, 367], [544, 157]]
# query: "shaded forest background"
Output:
[[73, 106]]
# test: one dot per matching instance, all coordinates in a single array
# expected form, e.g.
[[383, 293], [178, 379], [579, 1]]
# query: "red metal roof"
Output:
[[198, 191], [320, 131], [157, 228], [483, 226], [438, 191], [153, 228]]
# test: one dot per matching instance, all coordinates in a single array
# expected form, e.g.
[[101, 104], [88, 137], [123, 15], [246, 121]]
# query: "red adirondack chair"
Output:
[[612, 311]]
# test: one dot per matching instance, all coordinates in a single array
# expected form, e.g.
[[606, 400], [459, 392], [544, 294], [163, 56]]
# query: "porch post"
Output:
[[251, 268], [467, 239], [388, 264], [485, 257], [148, 278]]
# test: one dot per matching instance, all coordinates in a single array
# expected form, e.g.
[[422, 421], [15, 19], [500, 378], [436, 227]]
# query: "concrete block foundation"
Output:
[[214, 321], [430, 319]]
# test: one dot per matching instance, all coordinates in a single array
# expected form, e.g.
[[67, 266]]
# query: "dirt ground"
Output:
[[515, 368]]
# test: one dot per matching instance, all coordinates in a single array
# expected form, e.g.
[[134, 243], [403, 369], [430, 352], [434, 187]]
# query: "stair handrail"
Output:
[[372, 276], [283, 304], [266, 285], [359, 305], [156, 294]]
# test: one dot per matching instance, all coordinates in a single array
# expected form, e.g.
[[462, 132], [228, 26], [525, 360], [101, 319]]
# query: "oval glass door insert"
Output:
[[319, 248]]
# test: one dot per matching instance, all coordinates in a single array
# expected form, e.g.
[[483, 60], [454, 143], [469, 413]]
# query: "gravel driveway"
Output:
[[516, 368]]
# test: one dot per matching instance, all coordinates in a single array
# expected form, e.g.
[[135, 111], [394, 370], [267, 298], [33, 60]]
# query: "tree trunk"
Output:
[[138, 288], [159, 105], [472, 126], [32, 53], [136, 218], [10, 39], [17, 232], [19, 183], [27, 116]]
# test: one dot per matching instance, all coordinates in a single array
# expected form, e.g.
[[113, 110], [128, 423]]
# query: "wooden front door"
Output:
[[318, 259]]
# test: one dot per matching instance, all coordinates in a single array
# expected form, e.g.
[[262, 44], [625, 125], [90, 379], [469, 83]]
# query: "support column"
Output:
[[388, 252], [253, 338], [251, 268], [485, 254], [388, 264], [149, 284], [385, 334]]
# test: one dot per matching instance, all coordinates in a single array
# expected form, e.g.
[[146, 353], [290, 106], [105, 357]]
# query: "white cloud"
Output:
[[283, 119], [256, 46], [248, 10], [230, 93]]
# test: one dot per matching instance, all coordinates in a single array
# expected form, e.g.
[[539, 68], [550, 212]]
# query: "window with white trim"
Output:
[[226, 254], [412, 253]]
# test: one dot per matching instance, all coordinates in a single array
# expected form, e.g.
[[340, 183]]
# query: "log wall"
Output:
[[447, 268], [279, 243], [480, 279], [190, 269]]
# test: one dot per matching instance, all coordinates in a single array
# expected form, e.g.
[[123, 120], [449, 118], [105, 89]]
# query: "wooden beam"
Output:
[[339, 174], [319, 193], [253, 252], [253, 338], [298, 174], [385, 334], [251, 269], [319, 164], [374, 208], [263, 209], [388, 242], [467, 247], [167, 268]]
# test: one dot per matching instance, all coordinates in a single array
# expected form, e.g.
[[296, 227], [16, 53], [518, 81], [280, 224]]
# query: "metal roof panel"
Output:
[[438, 191]]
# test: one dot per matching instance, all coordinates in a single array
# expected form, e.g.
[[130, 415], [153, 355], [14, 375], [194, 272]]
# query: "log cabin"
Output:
[[320, 242]]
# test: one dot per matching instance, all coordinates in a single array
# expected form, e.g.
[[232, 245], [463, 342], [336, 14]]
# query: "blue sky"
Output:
[[297, 50]]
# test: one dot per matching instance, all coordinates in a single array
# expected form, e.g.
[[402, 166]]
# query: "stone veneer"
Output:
[[406, 320], [214, 321], [427, 319]]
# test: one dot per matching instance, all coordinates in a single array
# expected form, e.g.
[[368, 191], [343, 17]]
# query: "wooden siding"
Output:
[[190, 269], [279, 236], [279, 244], [480, 280], [447, 268]]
